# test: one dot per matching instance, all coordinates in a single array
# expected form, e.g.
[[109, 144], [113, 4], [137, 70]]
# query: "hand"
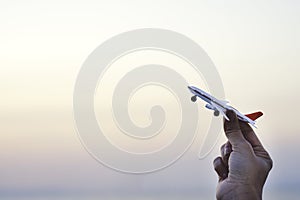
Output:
[[244, 164]]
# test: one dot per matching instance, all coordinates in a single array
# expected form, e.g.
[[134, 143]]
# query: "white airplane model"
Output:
[[220, 106]]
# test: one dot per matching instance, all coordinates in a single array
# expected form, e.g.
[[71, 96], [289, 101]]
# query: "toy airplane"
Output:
[[220, 106]]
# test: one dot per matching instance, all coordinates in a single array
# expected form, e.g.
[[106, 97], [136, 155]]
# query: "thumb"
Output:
[[232, 129]]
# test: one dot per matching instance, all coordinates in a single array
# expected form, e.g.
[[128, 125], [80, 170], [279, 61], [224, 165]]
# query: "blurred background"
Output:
[[254, 45]]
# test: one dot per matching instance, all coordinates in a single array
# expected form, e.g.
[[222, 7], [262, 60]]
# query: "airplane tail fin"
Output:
[[255, 115]]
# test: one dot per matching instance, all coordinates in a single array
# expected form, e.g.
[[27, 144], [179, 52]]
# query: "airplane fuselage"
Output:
[[217, 105]]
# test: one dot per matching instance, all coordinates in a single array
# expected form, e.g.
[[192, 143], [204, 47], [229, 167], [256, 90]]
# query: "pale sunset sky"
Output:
[[43, 44]]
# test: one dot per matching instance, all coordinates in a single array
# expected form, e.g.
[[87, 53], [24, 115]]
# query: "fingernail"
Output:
[[231, 114]]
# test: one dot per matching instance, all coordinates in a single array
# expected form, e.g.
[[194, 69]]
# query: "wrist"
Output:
[[246, 192], [241, 192]]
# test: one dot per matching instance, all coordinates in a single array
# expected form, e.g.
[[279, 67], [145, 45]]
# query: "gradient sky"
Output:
[[254, 45]]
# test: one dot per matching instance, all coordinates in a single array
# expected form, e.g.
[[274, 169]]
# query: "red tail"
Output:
[[255, 115]]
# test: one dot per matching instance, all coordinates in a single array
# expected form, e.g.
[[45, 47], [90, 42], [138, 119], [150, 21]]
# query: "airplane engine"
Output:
[[210, 107], [216, 113], [194, 98]]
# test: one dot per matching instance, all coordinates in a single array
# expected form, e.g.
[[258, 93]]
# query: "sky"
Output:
[[253, 44]]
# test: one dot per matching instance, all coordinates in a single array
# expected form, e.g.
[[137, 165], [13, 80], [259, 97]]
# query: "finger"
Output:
[[252, 138], [220, 168], [249, 134], [226, 149], [222, 149], [232, 129]]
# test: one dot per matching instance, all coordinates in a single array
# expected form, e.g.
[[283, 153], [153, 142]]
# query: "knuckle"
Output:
[[222, 147], [217, 162], [270, 164]]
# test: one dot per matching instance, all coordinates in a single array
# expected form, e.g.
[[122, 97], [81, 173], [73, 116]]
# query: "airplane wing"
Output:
[[252, 123], [220, 110], [224, 101]]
